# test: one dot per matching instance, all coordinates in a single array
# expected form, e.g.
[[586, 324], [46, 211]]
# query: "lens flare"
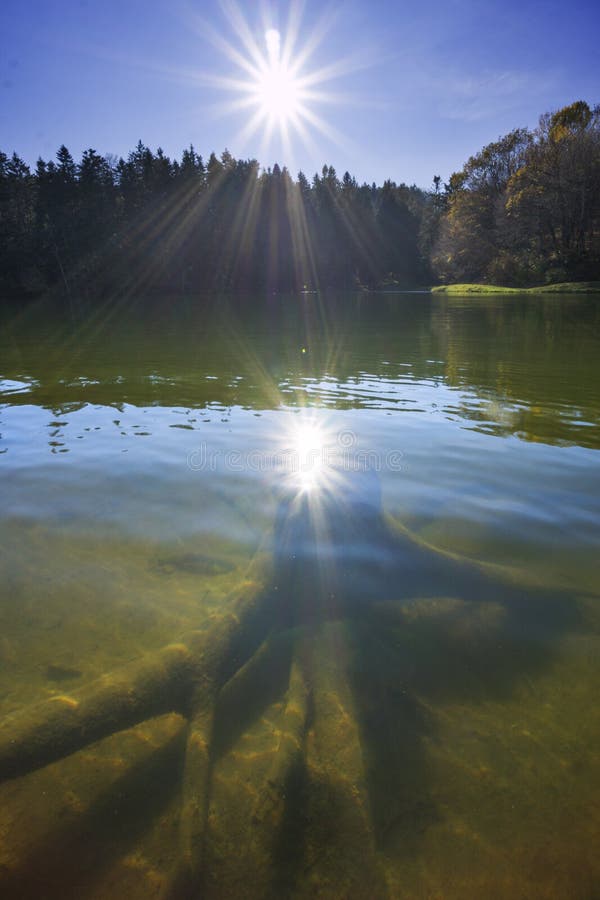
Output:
[[273, 39]]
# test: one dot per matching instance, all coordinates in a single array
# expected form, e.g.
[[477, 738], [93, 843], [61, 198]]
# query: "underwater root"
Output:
[[255, 801], [182, 677]]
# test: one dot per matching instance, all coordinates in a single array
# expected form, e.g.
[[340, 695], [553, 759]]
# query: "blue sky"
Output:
[[418, 86]]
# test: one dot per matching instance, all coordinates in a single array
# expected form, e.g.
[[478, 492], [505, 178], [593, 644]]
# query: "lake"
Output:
[[366, 529]]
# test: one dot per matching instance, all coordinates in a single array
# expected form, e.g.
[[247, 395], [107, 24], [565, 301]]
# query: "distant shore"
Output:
[[565, 287]]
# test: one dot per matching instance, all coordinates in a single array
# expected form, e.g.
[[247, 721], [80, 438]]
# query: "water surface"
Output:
[[436, 559]]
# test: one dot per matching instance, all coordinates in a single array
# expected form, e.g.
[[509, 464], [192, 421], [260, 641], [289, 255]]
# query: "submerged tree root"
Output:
[[84, 813], [178, 677], [285, 788], [196, 777], [253, 797], [340, 857]]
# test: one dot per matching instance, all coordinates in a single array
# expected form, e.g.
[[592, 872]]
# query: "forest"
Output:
[[525, 210]]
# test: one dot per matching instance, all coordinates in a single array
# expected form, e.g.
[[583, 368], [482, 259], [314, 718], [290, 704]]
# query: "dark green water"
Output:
[[421, 476]]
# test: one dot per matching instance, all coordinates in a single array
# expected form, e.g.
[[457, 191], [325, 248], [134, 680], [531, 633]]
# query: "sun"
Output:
[[274, 80], [278, 92]]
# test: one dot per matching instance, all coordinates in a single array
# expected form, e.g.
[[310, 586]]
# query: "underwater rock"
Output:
[[62, 673], [192, 564]]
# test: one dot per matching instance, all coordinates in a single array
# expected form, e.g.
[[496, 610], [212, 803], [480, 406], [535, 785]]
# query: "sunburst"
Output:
[[276, 81]]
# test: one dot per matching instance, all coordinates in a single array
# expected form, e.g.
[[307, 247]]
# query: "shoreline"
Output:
[[566, 287]]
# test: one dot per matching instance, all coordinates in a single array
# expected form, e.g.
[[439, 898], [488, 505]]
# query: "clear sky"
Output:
[[400, 89]]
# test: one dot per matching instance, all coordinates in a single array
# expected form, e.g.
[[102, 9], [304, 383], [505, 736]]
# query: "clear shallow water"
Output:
[[451, 747]]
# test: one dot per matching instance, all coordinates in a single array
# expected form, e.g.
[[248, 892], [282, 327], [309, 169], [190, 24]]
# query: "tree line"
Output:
[[150, 222], [525, 209]]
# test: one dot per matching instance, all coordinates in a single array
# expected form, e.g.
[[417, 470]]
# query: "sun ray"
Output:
[[251, 127], [292, 32], [335, 70], [248, 62], [316, 37], [236, 17], [332, 134]]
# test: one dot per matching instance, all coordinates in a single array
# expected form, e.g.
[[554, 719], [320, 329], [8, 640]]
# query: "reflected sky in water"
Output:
[[165, 417]]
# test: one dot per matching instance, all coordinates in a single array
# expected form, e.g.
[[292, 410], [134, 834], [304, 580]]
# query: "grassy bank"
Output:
[[566, 287]]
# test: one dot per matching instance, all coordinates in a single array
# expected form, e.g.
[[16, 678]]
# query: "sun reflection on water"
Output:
[[315, 463], [309, 444]]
